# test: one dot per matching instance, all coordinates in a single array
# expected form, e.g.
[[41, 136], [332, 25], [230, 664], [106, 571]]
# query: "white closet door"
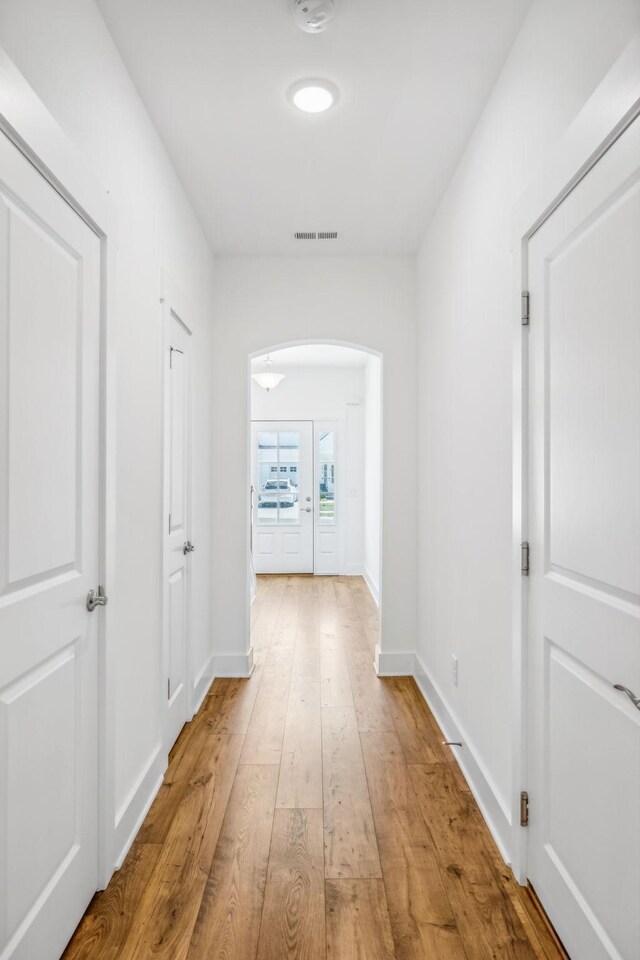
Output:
[[178, 547], [584, 633], [49, 482]]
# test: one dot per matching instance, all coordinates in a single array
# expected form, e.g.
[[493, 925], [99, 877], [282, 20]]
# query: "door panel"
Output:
[[283, 509], [584, 630], [42, 375], [291, 544], [178, 529], [26, 707], [588, 722], [594, 484], [177, 636], [178, 451], [49, 481]]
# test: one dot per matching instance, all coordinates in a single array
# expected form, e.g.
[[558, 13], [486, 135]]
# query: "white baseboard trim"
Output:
[[202, 685], [493, 808], [373, 588], [393, 664], [135, 808], [232, 664]]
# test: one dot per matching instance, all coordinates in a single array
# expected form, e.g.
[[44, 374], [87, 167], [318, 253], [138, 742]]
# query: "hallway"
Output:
[[310, 812]]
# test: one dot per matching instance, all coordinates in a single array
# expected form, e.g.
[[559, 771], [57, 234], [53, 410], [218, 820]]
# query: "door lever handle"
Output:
[[96, 598], [634, 700], [188, 547]]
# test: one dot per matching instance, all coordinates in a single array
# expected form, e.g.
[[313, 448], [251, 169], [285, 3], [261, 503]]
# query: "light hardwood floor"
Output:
[[312, 812]]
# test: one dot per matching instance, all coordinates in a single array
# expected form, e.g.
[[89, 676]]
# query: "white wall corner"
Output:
[[493, 807], [393, 664], [233, 664], [373, 587], [131, 814]]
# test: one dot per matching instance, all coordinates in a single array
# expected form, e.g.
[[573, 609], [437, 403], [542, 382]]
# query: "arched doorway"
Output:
[[315, 463]]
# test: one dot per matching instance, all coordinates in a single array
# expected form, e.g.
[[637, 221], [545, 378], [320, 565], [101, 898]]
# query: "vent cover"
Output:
[[316, 235]]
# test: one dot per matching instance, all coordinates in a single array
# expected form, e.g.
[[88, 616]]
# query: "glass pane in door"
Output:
[[289, 466], [266, 496], [277, 497], [326, 482]]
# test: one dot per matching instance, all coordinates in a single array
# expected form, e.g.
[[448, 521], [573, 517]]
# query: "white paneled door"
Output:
[[584, 630], [49, 551], [178, 547], [283, 496]]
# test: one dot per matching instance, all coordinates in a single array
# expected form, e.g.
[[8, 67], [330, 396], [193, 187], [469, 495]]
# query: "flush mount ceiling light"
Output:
[[313, 96], [313, 16], [267, 380]]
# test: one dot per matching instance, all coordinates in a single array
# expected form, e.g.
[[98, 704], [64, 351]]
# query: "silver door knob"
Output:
[[308, 509], [96, 598], [634, 700], [188, 547]]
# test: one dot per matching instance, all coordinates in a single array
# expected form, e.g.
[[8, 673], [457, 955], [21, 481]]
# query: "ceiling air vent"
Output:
[[316, 235]]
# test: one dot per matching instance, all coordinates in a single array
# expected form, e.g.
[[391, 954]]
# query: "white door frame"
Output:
[[174, 304], [613, 106], [386, 664], [30, 126]]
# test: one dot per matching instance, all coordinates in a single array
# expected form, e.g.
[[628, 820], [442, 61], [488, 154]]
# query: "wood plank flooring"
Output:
[[312, 813]]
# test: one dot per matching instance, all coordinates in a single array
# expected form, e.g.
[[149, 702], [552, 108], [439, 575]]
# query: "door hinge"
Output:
[[168, 688], [524, 308], [524, 558], [524, 809], [169, 523]]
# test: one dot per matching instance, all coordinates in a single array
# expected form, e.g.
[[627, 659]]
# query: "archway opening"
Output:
[[315, 476]]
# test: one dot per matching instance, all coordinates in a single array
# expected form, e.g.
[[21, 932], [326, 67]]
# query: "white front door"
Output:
[[49, 552], [584, 629], [178, 547], [283, 497]]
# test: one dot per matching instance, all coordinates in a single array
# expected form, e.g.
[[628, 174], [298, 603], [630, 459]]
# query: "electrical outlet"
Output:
[[454, 669]]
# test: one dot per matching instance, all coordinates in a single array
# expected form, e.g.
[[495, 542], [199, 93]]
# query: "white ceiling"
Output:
[[413, 77], [312, 355]]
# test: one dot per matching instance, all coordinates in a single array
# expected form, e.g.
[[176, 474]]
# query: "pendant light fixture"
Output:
[[267, 380]]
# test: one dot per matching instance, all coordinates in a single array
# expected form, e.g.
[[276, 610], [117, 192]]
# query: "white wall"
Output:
[[328, 393], [264, 302], [307, 393], [467, 310], [372, 486], [66, 53]]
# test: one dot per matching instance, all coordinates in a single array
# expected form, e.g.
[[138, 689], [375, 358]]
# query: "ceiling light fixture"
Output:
[[267, 380], [313, 96]]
